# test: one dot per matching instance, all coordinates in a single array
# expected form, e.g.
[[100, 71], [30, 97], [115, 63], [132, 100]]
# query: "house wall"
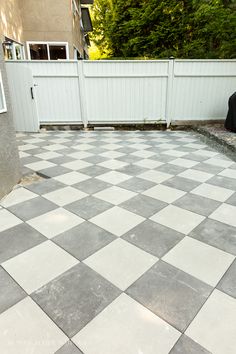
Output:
[[9, 158], [77, 36], [10, 20], [50, 20]]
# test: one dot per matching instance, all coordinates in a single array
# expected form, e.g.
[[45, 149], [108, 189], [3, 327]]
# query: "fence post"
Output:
[[82, 93], [169, 93]]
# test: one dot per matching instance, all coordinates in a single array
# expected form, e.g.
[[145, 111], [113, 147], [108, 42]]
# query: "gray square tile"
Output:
[[32, 208], [17, 240], [88, 207], [153, 238], [10, 293], [132, 170], [83, 240], [172, 169], [95, 159], [53, 171], [46, 186], [92, 186], [205, 167], [94, 171], [62, 159], [69, 348], [197, 204], [228, 282], [232, 200], [171, 294], [181, 183], [129, 158], [216, 234], [186, 345], [221, 181], [143, 205], [136, 184], [74, 298]]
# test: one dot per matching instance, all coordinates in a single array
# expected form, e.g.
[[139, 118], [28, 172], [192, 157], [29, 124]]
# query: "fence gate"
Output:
[[23, 98]]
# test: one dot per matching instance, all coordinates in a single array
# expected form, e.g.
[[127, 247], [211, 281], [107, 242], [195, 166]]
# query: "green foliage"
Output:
[[159, 29]]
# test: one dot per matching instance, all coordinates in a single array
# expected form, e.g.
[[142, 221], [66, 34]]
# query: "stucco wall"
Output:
[[10, 20], [9, 157], [47, 20]]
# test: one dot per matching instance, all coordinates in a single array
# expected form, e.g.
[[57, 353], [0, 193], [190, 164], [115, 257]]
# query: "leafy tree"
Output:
[[158, 29]]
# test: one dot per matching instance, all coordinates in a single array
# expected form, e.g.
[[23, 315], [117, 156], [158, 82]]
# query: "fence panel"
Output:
[[70, 92], [201, 88], [126, 91]]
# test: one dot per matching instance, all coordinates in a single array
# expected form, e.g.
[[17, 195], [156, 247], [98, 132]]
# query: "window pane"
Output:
[[57, 52], [38, 52], [19, 51]]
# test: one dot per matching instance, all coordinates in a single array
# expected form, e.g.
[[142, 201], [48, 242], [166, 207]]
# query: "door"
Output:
[[23, 100]]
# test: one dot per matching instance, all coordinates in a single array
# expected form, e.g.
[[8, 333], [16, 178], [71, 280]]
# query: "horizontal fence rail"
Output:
[[109, 92]]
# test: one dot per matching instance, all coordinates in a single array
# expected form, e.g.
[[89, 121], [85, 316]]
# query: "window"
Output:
[[3, 107], [47, 51], [13, 50]]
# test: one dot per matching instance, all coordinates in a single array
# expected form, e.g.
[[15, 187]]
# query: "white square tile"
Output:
[[115, 195], [112, 154], [111, 140], [117, 220], [225, 213], [26, 329], [178, 219], [143, 153], [186, 140], [155, 176], [71, 178], [168, 146], [65, 195], [164, 193], [202, 261], [16, 196], [195, 175], [174, 153], [55, 147], [113, 164], [121, 263], [219, 162], [8, 220], [148, 163], [55, 222], [213, 192], [48, 155], [228, 173], [111, 146], [114, 177], [33, 141], [214, 326], [140, 146], [40, 165], [126, 327], [23, 154], [76, 165], [27, 147], [80, 155], [196, 146], [59, 140], [39, 265], [184, 163], [205, 153], [83, 147]]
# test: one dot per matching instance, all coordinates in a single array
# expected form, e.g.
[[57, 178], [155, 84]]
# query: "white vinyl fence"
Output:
[[109, 92]]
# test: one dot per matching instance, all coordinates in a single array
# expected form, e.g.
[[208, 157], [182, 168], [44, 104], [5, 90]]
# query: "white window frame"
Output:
[[2, 93], [48, 44], [14, 44]]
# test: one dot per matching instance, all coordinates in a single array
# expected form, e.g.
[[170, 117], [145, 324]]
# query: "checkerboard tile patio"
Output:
[[127, 246]]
